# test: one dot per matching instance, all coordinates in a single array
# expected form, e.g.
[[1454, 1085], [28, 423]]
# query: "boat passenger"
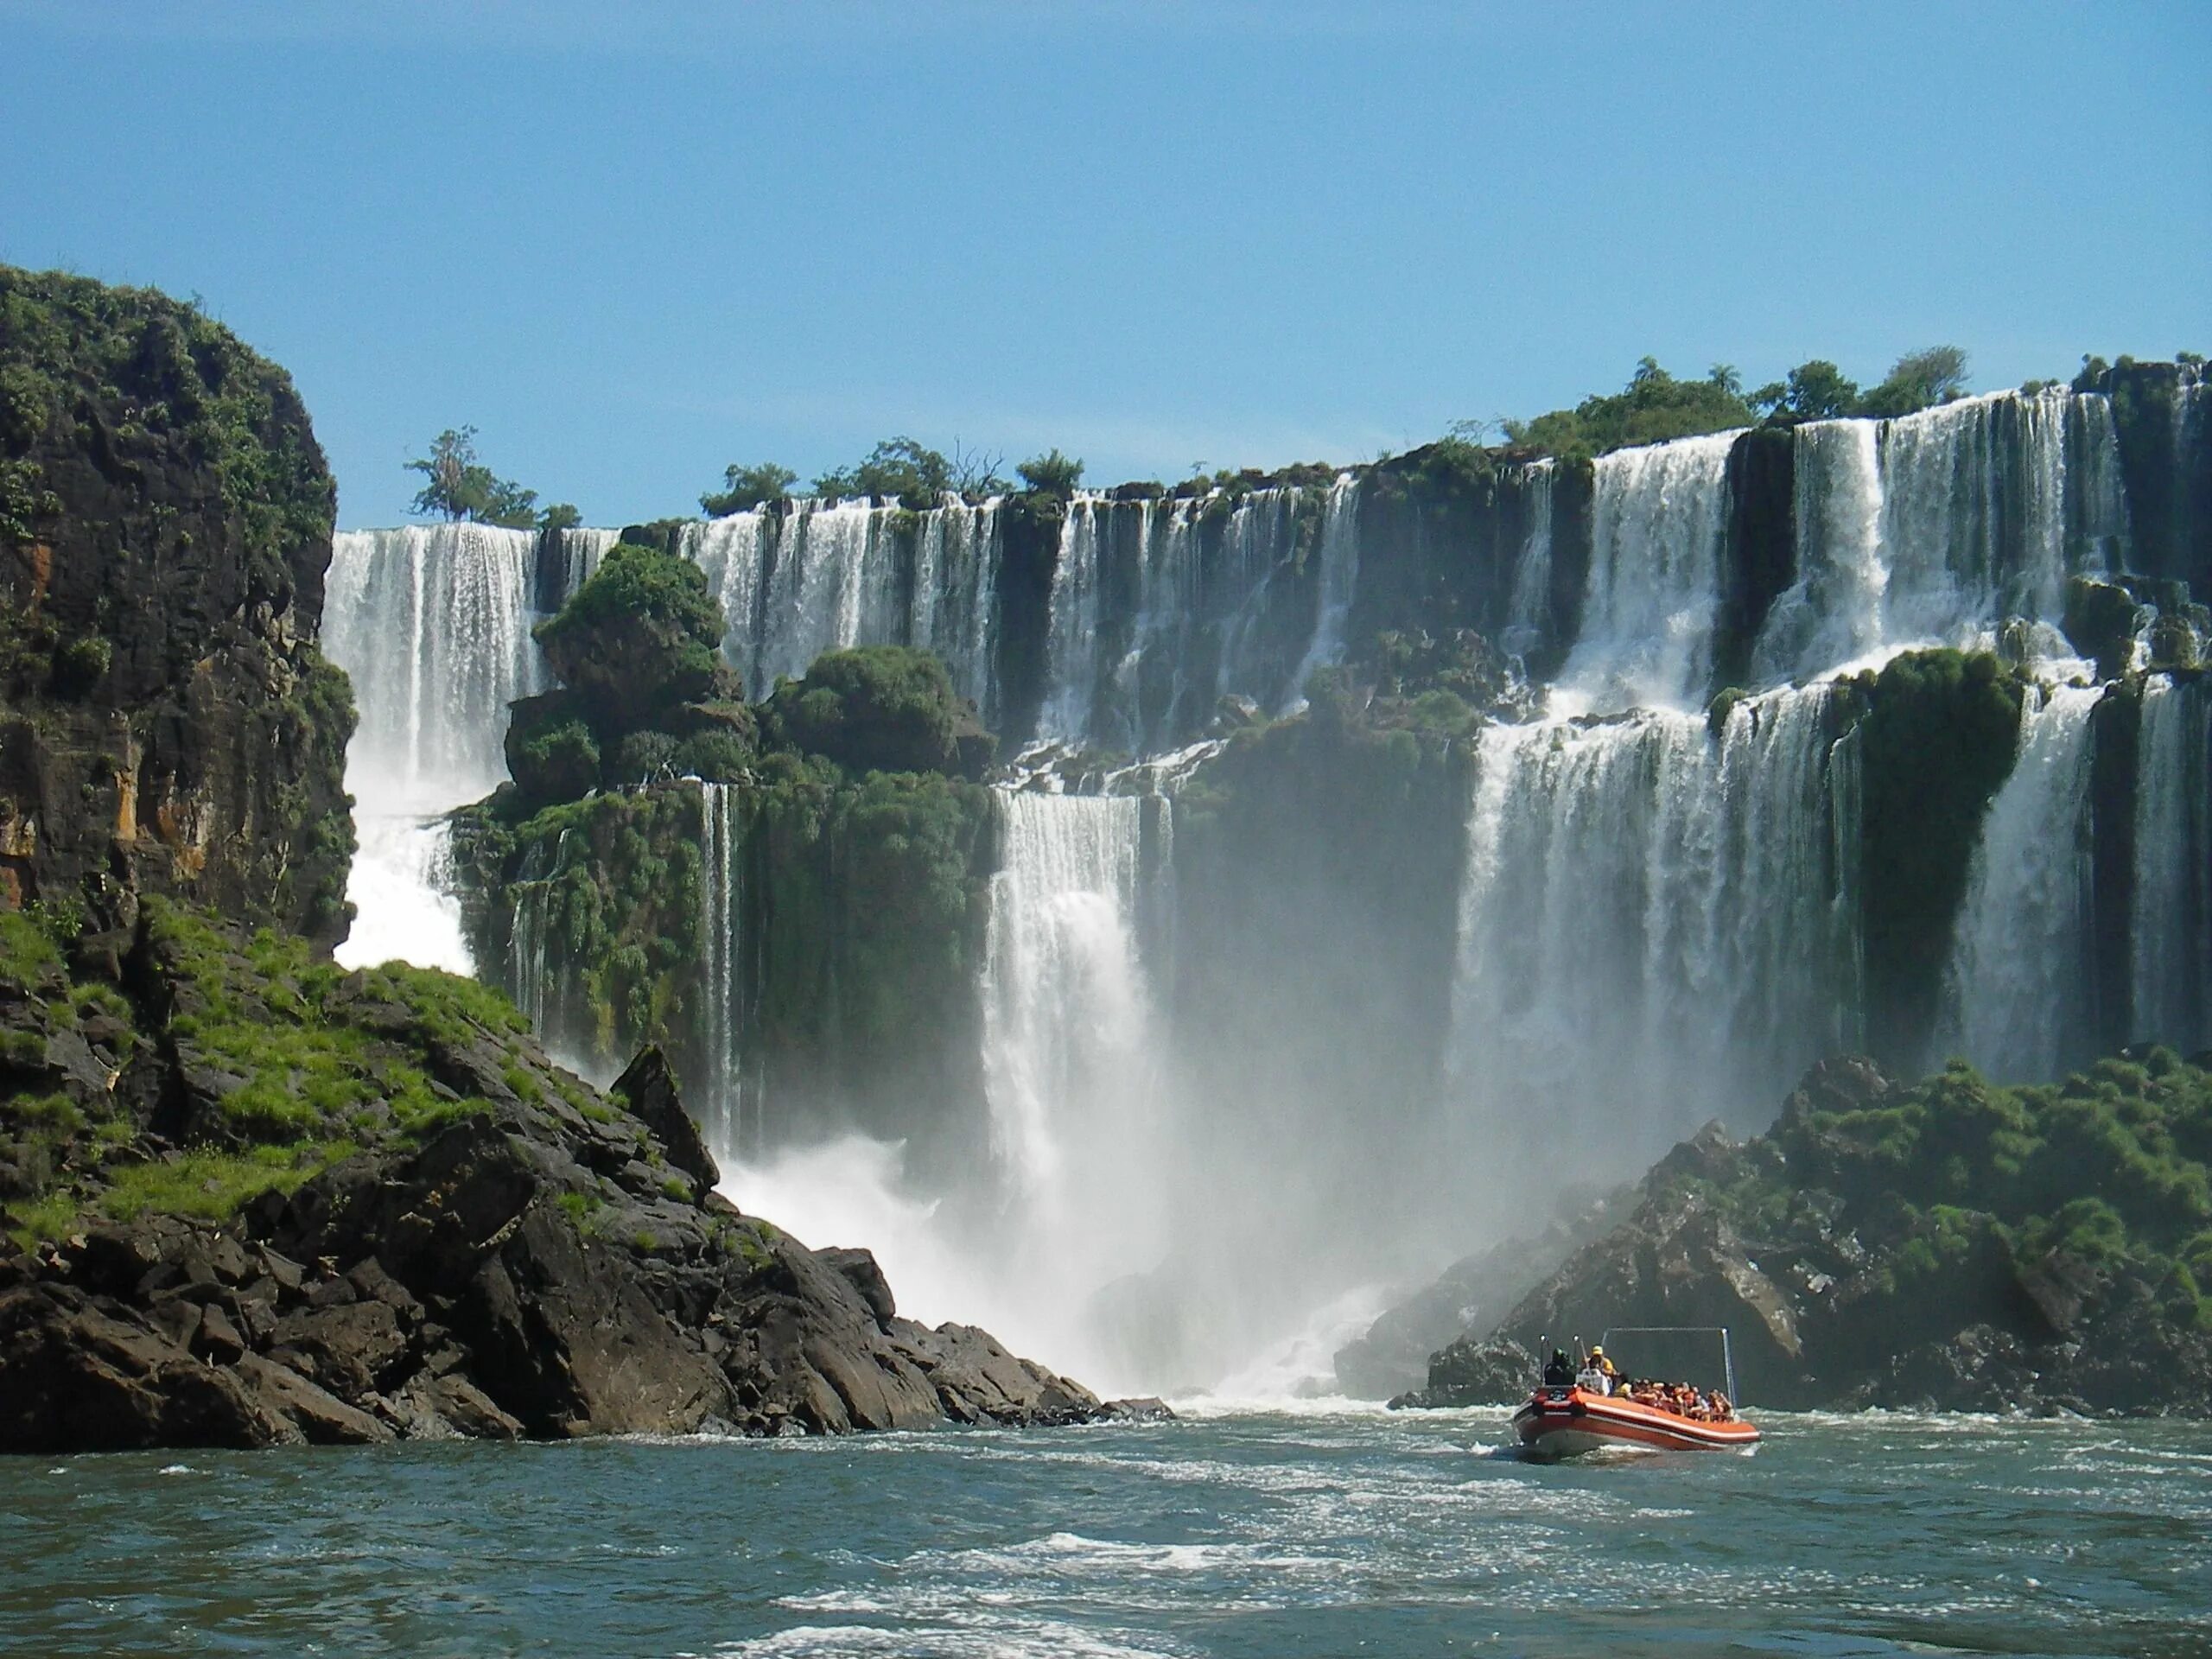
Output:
[[1559, 1372], [1724, 1409], [1603, 1367]]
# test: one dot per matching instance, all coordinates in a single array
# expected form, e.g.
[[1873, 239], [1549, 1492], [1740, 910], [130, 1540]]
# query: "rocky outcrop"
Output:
[[1392, 1358], [419, 1227], [167, 724], [1947, 1245]]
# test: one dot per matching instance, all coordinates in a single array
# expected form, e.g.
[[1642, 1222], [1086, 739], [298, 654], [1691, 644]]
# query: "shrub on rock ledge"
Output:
[[636, 637], [880, 709]]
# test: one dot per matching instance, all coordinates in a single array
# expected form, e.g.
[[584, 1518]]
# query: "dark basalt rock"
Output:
[[508, 1253], [166, 723], [648, 1088], [1841, 1291], [860, 1270]]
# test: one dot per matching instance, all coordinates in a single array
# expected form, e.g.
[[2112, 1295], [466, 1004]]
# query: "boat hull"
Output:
[[1565, 1422]]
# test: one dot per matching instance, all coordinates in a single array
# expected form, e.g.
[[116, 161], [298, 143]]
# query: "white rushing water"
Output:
[[1654, 590], [2171, 984], [2018, 985], [1068, 1051], [432, 625], [812, 576], [1933, 527], [1654, 929], [1159, 608], [722, 823]]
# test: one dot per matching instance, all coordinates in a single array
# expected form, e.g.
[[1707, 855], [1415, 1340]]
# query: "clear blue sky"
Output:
[[631, 241]]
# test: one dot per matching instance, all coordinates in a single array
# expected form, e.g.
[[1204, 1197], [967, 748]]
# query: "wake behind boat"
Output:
[[1596, 1407]]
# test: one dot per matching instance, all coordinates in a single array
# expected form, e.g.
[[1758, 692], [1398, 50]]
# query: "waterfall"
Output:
[[1339, 556], [1071, 649], [1654, 588], [1832, 614], [721, 1025], [2020, 985], [403, 888], [2096, 501], [1160, 608], [2171, 932], [1974, 515], [1529, 610], [432, 625], [1064, 1005], [798, 580], [1652, 925], [955, 597], [1261, 534]]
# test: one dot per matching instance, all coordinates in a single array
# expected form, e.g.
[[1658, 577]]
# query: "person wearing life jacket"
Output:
[[1605, 1369]]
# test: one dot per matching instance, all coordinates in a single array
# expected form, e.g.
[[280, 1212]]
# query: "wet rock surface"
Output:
[[1842, 1288], [486, 1284], [462, 1239]]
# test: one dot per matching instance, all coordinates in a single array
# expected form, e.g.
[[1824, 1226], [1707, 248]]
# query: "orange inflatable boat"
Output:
[[1561, 1421]]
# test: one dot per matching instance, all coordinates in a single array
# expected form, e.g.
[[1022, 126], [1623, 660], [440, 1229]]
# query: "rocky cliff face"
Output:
[[1949, 1245], [167, 724], [261, 1200]]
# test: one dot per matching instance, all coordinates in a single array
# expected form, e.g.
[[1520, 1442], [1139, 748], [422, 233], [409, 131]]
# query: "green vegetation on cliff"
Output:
[[1948, 1242], [457, 485], [156, 368], [204, 1064], [880, 708], [1656, 406]]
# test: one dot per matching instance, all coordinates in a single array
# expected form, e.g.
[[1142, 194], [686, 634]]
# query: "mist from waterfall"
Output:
[[2018, 986]]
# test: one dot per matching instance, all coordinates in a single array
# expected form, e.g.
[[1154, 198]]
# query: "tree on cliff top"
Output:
[[1919, 380], [1052, 474], [461, 486], [1653, 407], [745, 487], [639, 635]]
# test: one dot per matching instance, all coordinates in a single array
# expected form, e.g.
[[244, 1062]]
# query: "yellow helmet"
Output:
[[1597, 1353]]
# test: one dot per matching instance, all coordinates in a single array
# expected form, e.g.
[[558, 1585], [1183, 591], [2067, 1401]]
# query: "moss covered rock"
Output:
[[636, 638], [880, 709]]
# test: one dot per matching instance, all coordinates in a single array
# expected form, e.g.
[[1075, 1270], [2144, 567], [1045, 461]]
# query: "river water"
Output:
[[1252, 1533]]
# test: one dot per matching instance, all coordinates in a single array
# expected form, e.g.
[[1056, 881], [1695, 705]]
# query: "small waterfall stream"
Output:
[[2019, 981], [2172, 980]]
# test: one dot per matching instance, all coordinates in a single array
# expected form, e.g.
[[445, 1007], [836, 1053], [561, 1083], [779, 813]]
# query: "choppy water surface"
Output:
[[1257, 1535]]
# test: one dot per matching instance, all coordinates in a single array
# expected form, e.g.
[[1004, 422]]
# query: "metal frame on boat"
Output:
[[1564, 1419]]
